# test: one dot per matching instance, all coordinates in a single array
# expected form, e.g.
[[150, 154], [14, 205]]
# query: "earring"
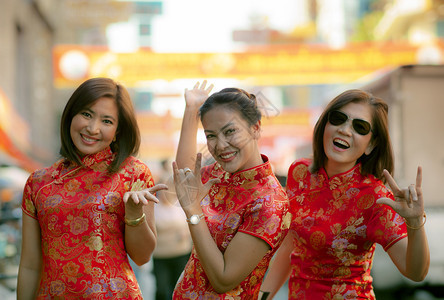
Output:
[[114, 139]]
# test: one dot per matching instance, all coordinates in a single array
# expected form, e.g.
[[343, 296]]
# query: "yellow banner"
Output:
[[271, 65]]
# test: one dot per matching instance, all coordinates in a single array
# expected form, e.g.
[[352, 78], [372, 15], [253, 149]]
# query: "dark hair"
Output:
[[235, 99], [127, 140], [382, 155]]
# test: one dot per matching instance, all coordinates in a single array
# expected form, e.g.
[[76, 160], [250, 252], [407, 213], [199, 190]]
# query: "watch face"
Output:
[[194, 219]]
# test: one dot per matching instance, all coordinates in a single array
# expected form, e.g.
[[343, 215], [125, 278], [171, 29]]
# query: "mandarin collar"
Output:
[[343, 177], [97, 161], [238, 178], [105, 156]]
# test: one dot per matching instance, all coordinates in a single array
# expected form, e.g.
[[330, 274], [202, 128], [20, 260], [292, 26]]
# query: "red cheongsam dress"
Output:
[[81, 216], [337, 224], [250, 201]]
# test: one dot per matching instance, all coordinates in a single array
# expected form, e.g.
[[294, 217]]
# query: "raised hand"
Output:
[[409, 202], [197, 96], [189, 188], [135, 200]]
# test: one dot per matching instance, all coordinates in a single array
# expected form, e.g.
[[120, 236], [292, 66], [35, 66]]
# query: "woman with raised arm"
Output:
[[235, 207], [87, 212], [341, 208]]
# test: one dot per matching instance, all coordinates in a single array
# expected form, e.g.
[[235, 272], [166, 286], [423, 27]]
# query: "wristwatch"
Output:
[[195, 219]]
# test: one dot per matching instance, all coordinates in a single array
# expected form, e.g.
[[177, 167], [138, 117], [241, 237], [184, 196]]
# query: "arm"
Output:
[[411, 256], [186, 150], [140, 240], [225, 270], [279, 269], [30, 260]]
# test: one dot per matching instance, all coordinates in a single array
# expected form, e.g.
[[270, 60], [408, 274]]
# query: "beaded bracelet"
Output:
[[414, 228], [135, 222]]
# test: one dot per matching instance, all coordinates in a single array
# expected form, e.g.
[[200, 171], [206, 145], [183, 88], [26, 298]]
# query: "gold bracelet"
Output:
[[135, 222], [414, 228]]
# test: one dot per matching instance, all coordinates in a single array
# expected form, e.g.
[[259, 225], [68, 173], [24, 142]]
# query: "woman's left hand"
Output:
[[135, 200], [409, 202]]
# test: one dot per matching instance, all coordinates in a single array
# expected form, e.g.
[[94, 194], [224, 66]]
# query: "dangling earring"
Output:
[[114, 139]]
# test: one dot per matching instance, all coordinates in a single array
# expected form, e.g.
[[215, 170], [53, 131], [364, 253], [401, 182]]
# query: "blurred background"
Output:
[[295, 55]]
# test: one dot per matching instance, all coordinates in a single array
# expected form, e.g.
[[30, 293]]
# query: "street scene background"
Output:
[[294, 55]]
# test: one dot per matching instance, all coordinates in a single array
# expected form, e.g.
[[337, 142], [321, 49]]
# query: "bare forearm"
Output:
[[187, 148], [418, 255], [27, 283], [210, 257], [30, 259], [140, 240], [279, 269], [226, 270]]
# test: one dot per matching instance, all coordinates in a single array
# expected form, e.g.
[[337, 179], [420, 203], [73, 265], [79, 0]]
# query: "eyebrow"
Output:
[[348, 116], [224, 127], [105, 116]]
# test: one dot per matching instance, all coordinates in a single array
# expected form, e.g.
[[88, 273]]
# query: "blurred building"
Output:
[[28, 31], [26, 39]]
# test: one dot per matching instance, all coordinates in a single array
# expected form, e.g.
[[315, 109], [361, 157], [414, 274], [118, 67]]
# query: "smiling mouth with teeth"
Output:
[[88, 139], [341, 144], [226, 156]]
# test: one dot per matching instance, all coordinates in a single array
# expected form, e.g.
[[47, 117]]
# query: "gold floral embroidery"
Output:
[[138, 185], [366, 201], [95, 243], [286, 221], [71, 269], [317, 240], [299, 172]]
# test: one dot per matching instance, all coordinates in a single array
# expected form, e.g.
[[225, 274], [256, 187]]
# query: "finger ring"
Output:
[[187, 170]]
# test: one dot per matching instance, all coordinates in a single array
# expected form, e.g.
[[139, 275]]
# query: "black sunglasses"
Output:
[[337, 118]]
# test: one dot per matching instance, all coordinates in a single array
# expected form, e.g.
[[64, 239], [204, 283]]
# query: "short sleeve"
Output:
[[267, 217], [386, 227], [141, 176], [211, 171], [205, 174], [296, 174], [28, 205]]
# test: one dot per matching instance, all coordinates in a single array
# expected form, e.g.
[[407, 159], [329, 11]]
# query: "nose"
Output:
[[92, 127], [346, 128], [221, 143]]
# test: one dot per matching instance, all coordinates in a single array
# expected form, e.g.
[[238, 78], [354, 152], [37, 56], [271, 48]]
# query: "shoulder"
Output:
[[299, 169], [40, 177], [53, 171], [211, 171], [303, 163], [134, 167], [375, 186], [134, 163]]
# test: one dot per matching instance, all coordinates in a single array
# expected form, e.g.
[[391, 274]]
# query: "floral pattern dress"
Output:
[[337, 222], [251, 201], [81, 216]]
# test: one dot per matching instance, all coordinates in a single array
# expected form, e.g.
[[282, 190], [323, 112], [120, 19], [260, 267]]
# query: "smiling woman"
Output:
[[95, 127], [84, 214], [342, 208], [236, 209]]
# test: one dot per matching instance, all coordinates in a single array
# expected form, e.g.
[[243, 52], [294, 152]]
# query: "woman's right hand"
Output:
[[189, 188], [197, 96]]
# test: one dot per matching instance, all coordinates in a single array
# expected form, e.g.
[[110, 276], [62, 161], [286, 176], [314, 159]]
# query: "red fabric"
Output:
[[81, 212], [337, 223], [251, 201]]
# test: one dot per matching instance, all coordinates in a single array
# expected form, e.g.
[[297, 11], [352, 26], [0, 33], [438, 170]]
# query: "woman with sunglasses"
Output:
[[341, 208]]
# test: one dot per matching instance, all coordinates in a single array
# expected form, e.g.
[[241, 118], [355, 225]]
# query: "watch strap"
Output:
[[200, 217]]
